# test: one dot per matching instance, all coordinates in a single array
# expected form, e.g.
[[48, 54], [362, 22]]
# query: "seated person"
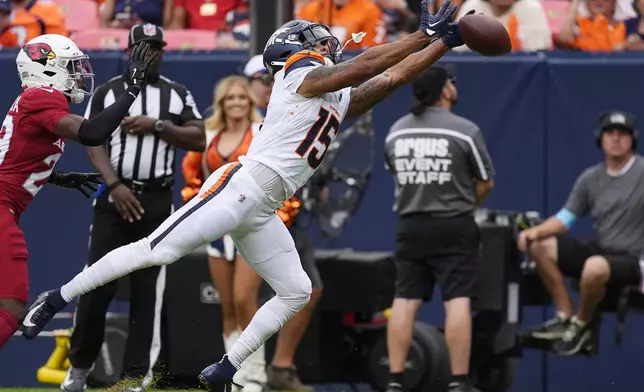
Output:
[[236, 32], [5, 21], [612, 193], [201, 15], [635, 28], [396, 15], [525, 20], [345, 17], [123, 14], [596, 25], [29, 19]]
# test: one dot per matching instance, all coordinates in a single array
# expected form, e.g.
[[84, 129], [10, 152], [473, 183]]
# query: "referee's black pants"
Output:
[[110, 231]]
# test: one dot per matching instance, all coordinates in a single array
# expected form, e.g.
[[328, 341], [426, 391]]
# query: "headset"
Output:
[[618, 119]]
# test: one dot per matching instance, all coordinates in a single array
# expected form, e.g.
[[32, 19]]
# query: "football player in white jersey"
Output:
[[313, 93]]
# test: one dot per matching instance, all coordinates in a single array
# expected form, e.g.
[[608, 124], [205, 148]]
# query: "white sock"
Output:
[[563, 316], [240, 377], [256, 364], [230, 340], [268, 320], [578, 322], [117, 263], [258, 357]]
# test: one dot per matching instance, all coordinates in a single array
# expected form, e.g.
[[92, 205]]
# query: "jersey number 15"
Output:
[[326, 122]]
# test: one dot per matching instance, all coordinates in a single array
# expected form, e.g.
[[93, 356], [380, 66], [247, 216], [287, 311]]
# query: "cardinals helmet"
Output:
[[54, 60]]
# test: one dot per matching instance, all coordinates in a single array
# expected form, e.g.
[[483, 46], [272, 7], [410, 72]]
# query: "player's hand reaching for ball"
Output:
[[126, 203], [432, 24], [139, 64], [441, 23]]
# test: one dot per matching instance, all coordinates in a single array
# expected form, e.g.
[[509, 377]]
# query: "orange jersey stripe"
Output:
[[219, 184], [205, 198], [302, 55]]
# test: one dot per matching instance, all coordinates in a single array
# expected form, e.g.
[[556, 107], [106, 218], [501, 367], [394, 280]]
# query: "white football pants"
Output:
[[230, 201]]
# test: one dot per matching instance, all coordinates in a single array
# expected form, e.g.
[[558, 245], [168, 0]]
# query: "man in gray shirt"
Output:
[[442, 170], [612, 193]]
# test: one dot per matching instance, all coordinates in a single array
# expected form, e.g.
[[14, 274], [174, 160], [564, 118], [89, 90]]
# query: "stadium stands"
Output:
[[79, 14], [107, 39], [556, 11], [190, 39]]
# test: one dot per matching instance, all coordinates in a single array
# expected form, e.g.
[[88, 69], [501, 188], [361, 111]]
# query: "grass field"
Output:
[[24, 390], [327, 388], [89, 390]]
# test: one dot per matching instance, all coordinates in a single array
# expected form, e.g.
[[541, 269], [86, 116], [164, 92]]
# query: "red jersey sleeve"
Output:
[[45, 105]]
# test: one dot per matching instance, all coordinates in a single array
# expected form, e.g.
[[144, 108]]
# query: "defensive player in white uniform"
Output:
[[311, 96]]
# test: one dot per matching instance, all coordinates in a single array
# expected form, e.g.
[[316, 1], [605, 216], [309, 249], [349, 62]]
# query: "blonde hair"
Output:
[[218, 119]]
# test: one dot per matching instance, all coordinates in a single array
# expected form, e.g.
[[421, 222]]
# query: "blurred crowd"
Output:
[[588, 25]]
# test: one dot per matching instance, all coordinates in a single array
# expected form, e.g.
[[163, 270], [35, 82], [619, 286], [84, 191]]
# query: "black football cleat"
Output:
[[219, 374], [41, 312]]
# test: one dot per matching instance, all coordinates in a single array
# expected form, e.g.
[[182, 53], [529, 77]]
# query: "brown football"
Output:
[[485, 35]]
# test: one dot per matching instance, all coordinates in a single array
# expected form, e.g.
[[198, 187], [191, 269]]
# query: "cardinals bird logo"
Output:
[[40, 52]]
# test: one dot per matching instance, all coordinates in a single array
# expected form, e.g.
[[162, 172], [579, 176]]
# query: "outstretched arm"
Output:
[[374, 90], [378, 59], [364, 66], [95, 131]]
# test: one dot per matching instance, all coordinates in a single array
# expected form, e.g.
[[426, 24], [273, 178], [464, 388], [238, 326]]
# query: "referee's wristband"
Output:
[[113, 185]]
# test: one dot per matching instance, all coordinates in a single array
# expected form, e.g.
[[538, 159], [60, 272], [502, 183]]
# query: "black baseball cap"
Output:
[[427, 87], [145, 33], [617, 119]]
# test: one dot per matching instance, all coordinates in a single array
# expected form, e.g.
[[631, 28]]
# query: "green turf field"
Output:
[[23, 390], [26, 390], [89, 390]]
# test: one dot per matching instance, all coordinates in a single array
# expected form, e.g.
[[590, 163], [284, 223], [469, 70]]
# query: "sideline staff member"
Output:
[[261, 82], [612, 193], [138, 167], [442, 172]]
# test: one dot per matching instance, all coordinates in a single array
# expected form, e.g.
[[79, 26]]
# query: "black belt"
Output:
[[145, 186]]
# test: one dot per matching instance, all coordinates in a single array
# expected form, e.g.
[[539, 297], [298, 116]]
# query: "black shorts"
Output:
[[430, 250], [572, 255]]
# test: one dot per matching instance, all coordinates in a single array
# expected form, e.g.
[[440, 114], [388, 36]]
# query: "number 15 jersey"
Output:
[[29, 149], [297, 131]]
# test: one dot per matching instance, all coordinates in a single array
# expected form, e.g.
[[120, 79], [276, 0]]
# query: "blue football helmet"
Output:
[[295, 36]]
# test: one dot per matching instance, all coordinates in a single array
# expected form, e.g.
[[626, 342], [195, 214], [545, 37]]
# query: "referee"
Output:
[[442, 171], [137, 164]]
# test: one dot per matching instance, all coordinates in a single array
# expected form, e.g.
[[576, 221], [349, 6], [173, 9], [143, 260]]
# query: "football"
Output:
[[485, 35]]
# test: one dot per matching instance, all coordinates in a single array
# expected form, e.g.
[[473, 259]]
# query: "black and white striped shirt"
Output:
[[145, 157]]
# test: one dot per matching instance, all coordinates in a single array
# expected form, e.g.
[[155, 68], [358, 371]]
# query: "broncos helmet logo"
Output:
[[39, 52]]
